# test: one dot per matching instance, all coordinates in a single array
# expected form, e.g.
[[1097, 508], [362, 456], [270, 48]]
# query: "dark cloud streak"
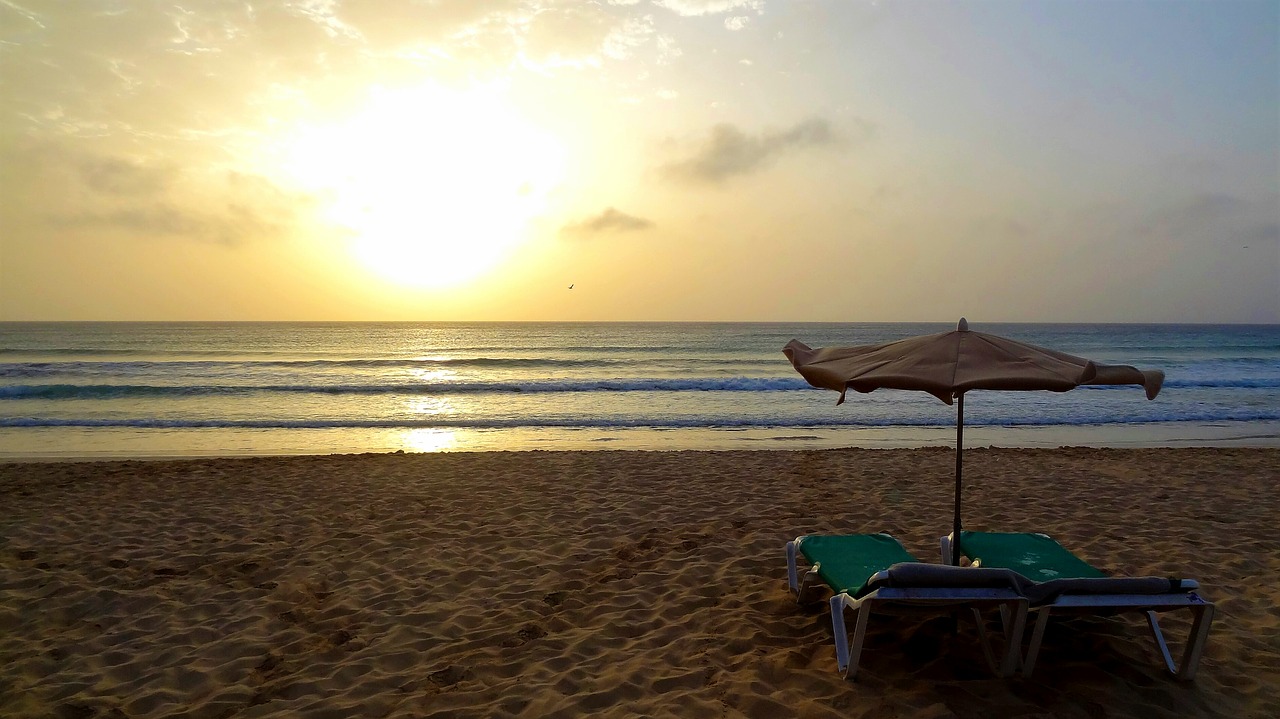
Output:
[[610, 221], [65, 188], [729, 152], [116, 176]]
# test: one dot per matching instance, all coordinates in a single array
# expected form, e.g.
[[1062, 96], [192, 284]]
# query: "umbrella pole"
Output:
[[955, 520]]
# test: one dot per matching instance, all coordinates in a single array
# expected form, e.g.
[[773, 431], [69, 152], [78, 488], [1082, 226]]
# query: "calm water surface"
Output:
[[189, 389]]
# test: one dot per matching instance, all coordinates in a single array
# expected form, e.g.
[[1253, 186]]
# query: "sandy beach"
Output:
[[558, 584]]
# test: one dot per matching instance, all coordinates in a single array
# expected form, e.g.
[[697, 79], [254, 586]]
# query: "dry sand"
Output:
[[599, 584]]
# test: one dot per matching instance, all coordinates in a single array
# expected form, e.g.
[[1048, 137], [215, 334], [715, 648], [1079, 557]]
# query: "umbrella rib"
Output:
[[955, 361]]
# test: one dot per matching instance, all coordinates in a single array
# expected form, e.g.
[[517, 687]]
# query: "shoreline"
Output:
[[618, 584], [105, 444]]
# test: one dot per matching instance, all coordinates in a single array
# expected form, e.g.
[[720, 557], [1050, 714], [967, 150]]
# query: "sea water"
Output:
[[193, 389]]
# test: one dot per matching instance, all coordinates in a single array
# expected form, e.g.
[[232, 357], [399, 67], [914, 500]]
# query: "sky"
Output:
[[665, 160]]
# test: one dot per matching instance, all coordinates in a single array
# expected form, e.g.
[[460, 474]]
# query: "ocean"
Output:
[[111, 390]]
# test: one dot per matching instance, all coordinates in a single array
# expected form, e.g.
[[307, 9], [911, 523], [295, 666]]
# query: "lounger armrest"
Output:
[[1045, 592], [919, 574]]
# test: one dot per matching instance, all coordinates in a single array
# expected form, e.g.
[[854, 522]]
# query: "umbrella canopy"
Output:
[[948, 364]]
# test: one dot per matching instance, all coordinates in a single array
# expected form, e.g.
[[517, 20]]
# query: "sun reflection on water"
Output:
[[432, 375], [429, 439], [432, 406]]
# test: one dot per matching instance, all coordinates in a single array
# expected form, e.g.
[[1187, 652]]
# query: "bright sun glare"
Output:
[[434, 186]]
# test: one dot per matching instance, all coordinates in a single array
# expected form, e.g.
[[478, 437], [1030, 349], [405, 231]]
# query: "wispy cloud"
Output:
[[119, 176], [728, 151], [156, 69], [230, 225], [690, 8], [1263, 236], [111, 195], [1205, 216], [611, 220]]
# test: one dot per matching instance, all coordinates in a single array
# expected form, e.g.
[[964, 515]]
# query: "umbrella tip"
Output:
[[962, 325]]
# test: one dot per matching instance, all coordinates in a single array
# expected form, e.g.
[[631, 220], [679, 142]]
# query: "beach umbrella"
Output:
[[949, 364]]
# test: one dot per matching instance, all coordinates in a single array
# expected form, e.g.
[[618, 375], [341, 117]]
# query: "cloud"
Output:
[[229, 225], [623, 39], [1204, 216], [156, 70], [729, 151], [1262, 235], [610, 221], [67, 190], [693, 8], [150, 72], [119, 176], [1207, 207]]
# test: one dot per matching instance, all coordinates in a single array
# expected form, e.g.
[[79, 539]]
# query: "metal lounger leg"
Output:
[[1195, 644], [838, 632], [1153, 621], [1202, 617], [984, 640], [798, 584], [792, 580], [848, 650], [1013, 637], [1037, 635], [1012, 623]]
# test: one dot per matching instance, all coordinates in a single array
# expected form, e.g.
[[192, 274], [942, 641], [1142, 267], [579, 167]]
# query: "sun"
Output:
[[433, 186]]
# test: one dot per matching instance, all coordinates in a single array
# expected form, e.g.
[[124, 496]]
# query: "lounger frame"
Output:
[[1150, 605], [902, 600]]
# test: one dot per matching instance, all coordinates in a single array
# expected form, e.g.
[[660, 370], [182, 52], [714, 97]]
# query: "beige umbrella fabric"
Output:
[[948, 364]]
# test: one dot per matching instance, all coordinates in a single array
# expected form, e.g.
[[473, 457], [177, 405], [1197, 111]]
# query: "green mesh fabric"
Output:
[[846, 562], [1034, 556]]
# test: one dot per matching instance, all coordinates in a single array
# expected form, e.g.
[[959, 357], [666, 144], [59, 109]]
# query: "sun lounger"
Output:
[[1066, 584], [875, 573]]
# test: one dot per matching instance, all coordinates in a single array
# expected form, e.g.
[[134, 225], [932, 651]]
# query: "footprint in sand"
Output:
[[527, 633], [449, 676]]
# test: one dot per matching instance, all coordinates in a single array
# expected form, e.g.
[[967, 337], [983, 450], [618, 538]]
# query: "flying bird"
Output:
[[570, 286]]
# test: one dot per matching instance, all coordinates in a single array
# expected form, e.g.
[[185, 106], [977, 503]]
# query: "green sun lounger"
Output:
[[1066, 584], [875, 573]]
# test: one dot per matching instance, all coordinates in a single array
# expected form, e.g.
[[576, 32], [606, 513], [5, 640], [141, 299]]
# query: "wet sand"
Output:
[[542, 584]]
